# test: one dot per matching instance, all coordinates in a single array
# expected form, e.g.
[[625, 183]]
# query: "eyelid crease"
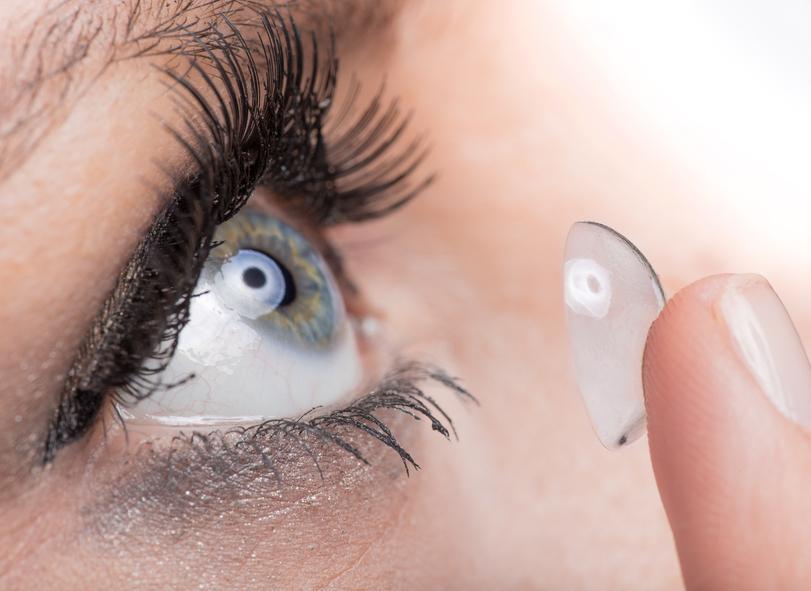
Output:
[[244, 125]]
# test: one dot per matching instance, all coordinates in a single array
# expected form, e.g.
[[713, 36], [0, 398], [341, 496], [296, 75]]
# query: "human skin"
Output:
[[525, 142]]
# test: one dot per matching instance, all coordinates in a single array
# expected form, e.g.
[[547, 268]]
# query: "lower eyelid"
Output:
[[279, 461]]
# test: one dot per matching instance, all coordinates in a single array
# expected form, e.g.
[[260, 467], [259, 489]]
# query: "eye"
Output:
[[267, 337]]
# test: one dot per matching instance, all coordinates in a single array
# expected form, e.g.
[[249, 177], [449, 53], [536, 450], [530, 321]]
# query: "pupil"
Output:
[[254, 277]]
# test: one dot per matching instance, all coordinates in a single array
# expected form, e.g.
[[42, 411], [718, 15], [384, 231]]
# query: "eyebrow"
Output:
[[66, 48]]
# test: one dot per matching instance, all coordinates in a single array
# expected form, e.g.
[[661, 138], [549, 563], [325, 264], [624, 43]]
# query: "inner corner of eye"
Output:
[[268, 335]]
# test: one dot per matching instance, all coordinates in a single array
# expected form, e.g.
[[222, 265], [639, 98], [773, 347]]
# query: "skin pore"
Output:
[[526, 139]]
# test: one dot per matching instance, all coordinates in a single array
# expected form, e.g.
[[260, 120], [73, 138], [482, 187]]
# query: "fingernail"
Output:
[[769, 346], [612, 297]]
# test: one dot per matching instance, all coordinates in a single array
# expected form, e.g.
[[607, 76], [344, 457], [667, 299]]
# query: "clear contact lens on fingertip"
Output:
[[612, 296]]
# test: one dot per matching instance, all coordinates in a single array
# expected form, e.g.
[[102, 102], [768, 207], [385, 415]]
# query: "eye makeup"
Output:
[[258, 112]]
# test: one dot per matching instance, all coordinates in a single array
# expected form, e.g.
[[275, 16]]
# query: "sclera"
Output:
[[612, 296]]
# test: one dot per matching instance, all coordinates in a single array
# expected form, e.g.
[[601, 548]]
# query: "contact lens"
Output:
[[612, 296]]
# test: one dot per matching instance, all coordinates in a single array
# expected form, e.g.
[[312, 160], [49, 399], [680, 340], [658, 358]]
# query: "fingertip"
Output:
[[682, 339], [699, 378], [715, 438]]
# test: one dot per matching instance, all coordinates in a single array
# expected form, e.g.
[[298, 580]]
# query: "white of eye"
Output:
[[243, 372]]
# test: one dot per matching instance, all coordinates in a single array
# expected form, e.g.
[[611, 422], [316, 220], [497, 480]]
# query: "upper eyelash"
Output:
[[256, 129], [355, 176]]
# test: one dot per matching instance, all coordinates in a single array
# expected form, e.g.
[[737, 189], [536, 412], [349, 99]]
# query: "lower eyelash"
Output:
[[399, 391], [279, 461]]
